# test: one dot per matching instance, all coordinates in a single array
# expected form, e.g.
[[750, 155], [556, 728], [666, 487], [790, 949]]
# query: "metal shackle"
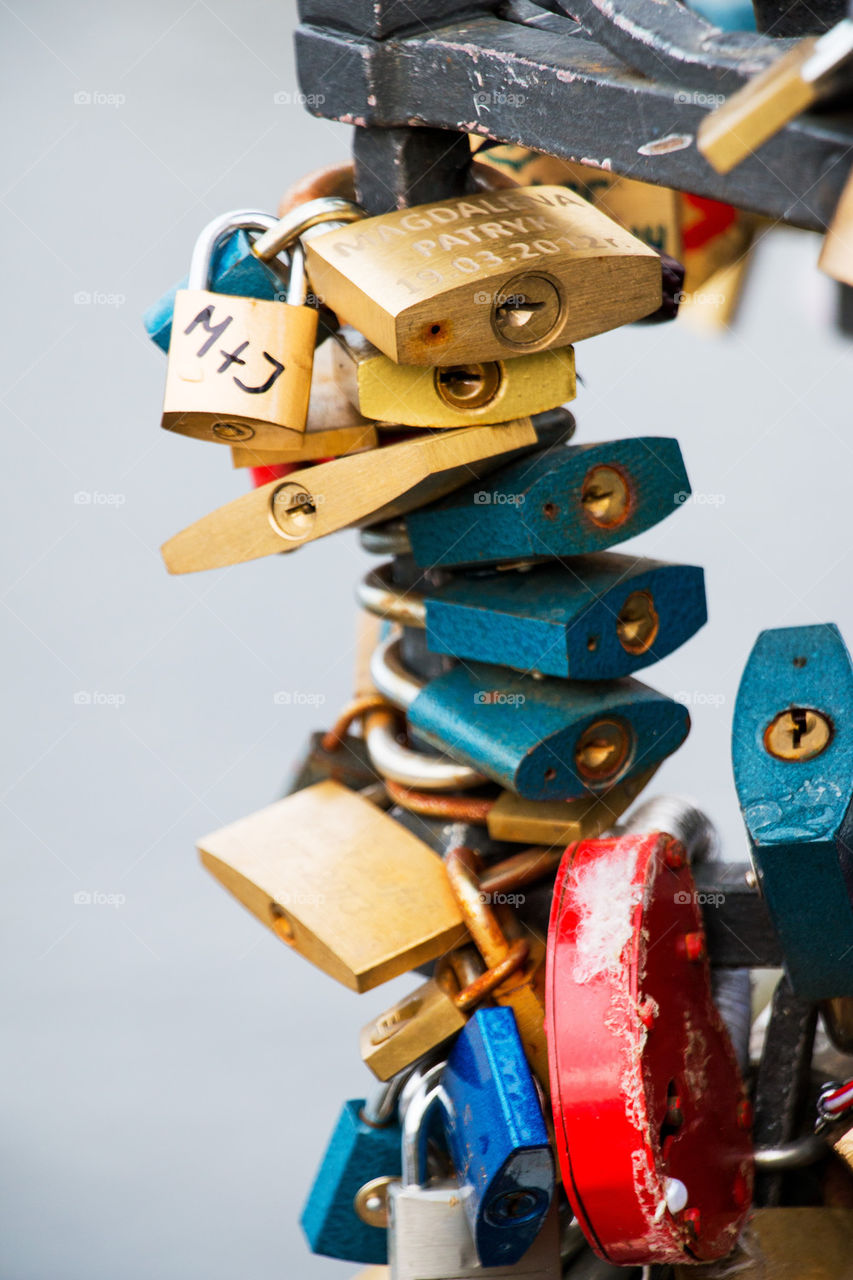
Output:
[[379, 595], [418, 1113], [389, 757], [217, 230], [298, 224]]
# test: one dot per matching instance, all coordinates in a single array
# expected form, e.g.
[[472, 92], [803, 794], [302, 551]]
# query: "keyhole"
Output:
[[527, 310], [798, 733], [292, 511], [468, 386]]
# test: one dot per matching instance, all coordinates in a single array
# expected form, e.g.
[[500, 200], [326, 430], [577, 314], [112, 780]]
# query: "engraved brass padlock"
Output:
[[486, 276], [240, 368], [449, 395]]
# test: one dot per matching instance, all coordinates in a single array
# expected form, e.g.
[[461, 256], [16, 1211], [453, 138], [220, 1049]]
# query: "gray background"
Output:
[[171, 1073]]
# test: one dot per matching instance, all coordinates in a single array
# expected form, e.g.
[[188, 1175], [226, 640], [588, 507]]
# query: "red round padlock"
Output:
[[651, 1129]]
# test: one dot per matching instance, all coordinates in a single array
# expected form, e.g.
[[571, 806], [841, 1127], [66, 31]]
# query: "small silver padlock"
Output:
[[428, 1233]]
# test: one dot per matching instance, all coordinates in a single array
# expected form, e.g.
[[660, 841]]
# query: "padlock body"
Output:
[[239, 369], [450, 282], [797, 801], [594, 618], [454, 396], [547, 739], [429, 1239], [236, 270], [565, 501], [357, 1153], [412, 1027], [497, 1137]]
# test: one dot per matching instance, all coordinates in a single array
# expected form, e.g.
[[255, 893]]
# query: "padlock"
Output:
[[235, 270], [360, 488], [558, 822], [428, 1233], [333, 427], [344, 1215], [431, 1015], [650, 1114], [339, 882], [485, 276], [497, 1137], [523, 991], [545, 739], [590, 618], [252, 381], [450, 395], [792, 747], [799, 1242], [566, 501]]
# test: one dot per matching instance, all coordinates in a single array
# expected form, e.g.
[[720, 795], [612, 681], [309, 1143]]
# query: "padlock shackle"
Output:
[[284, 232], [412, 768], [415, 1137], [212, 235], [379, 595], [676, 817], [390, 677], [482, 921]]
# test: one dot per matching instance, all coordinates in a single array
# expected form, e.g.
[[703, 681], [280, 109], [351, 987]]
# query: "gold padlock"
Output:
[[340, 882], [431, 1014], [797, 1243], [486, 276], [450, 395], [360, 488], [240, 368], [333, 427], [561, 822]]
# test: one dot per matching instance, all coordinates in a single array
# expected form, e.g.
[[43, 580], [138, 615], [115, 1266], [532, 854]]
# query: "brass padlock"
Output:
[[340, 882], [430, 1015], [240, 368], [485, 276], [449, 395]]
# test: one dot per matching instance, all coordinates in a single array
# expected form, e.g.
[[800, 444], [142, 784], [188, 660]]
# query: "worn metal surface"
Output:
[[537, 79]]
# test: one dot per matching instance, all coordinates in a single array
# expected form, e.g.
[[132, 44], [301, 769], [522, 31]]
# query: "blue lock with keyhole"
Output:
[[792, 753], [564, 501], [594, 617], [497, 1137]]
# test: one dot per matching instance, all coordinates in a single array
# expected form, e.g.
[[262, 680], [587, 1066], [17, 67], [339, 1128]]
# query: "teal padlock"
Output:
[[565, 501], [344, 1216], [545, 739], [588, 618], [792, 754]]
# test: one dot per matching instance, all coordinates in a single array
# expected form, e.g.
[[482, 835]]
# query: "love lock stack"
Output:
[[502, 721]]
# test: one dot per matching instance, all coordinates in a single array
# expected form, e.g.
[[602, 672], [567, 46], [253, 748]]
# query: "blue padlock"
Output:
[[236, 270], [792, 753], [565, 501], [497, 1137], [344, 1216], [591, 618], [544, 739]]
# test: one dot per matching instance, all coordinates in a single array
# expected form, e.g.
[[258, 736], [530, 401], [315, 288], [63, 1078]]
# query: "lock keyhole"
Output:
[[527, 310], [798, 733], [468, 386], [606, 497], [292, 510]]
